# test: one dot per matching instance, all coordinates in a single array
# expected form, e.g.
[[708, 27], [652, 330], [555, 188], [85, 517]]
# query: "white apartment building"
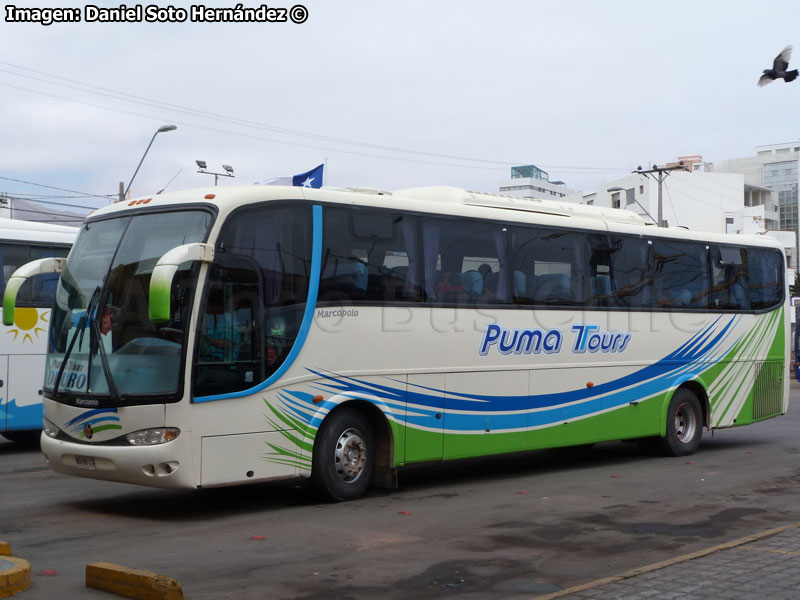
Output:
[[775, 167], [701, 201], [529, 181]]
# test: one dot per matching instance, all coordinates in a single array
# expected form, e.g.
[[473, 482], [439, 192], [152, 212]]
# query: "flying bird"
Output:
[[778, 70]]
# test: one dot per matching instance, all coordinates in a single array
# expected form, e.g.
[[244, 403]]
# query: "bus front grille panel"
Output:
[[768, 389]]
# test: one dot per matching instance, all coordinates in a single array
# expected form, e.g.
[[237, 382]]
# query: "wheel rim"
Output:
[[351, 455], [685, 423]]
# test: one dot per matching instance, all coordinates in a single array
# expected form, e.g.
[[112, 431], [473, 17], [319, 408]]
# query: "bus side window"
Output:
[[369, 257], [729, 287], [631, 272], [681, 274], [765, 270], [553, 267], [43, 287], [14, 256], [465, 262], [39, 290]]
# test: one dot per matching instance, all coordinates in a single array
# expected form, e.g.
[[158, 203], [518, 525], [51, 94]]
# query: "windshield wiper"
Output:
[[112, 385], [78, 333], [94, 340]]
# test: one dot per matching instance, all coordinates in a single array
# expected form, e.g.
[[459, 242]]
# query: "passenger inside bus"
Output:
[[215, 335]]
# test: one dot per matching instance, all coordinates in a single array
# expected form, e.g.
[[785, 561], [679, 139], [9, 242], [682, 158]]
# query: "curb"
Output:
[[132, 583], [667, 563], [15, 576]]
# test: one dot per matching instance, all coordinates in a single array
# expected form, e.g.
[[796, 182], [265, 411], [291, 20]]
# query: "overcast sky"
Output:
[[428, 92]]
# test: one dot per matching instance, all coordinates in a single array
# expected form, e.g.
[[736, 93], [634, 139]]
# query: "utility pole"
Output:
[[659, 174]]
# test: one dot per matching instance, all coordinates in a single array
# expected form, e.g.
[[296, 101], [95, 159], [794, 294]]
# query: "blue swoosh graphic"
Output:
[[468, 412]]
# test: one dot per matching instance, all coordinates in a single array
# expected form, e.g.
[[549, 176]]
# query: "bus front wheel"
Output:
[[343, 455], [684, 424]]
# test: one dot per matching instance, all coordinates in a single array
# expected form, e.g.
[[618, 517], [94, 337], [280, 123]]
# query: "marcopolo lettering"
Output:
[[323, 313], [587, 338]]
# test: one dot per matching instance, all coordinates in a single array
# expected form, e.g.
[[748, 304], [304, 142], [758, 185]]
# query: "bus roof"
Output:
[[33, 231], [440, 200]]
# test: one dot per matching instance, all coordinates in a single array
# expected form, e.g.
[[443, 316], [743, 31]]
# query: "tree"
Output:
[[794, 289]]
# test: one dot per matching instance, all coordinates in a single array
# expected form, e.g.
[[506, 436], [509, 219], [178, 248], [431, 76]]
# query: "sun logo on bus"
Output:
[[26, 321]]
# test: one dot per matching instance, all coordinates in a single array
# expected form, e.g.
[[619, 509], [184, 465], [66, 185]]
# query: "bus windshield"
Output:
[[102, 342]]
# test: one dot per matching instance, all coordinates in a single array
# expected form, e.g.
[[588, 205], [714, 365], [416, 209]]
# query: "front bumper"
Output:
[[166, 465]]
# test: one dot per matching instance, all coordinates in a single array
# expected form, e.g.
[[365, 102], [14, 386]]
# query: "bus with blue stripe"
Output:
[[23, 341], [231, 335]]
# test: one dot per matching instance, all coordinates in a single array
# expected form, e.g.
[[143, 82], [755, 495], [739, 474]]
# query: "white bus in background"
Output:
[[23, 344], [237, 334]]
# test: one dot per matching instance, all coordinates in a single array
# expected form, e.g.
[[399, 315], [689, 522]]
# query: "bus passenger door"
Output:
[[4, 398], [424, 417], [230, 344]]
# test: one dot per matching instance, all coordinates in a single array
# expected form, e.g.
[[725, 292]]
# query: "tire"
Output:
[[28, 438], [341, 467], [684, 425]]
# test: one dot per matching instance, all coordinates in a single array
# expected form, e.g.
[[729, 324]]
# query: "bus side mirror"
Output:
[[164, 271], [36, 267]]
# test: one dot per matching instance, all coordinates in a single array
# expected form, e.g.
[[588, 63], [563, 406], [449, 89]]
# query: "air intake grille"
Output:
[[768, 390]]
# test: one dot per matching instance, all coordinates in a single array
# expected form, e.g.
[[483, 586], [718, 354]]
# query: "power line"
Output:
[[31, 196], [663, 173], [252, 124], [669, 198], [244, 135], [40, 201], [73, 217], [52, 187]]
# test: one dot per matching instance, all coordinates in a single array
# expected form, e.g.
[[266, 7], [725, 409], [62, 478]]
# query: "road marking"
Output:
[[667, 563]]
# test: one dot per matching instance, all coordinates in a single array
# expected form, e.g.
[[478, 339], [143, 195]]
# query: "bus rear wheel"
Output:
[[684, 424], [341, 467]]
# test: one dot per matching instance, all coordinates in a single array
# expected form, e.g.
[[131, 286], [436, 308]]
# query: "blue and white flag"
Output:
[[309, 179]]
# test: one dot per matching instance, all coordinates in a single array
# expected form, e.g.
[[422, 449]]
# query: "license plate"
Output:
[[85, 462]]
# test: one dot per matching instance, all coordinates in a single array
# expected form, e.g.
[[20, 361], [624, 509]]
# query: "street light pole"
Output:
[[161, 129], [203, 166]]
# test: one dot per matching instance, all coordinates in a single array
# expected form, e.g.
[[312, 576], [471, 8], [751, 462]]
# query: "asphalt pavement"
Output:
[[608, 523], [764, 565]]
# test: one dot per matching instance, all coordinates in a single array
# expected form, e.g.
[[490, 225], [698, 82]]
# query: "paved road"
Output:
[[497, 528], [764, 565]]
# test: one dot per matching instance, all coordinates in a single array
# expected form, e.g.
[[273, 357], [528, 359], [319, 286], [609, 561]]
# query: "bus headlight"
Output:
[[49, 429], [151, 437]]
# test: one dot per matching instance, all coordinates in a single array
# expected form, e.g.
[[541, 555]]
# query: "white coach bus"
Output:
[[23, 341], [229, 335]]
